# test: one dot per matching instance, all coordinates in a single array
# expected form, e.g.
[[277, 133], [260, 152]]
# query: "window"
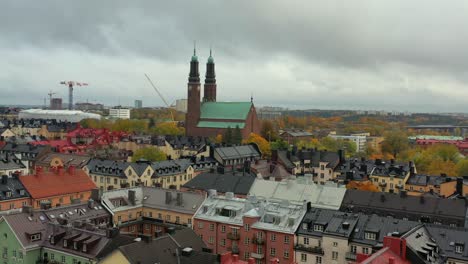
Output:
[[370, 235], [63, 259], [35, 237], [168, 217], [130, 215], [150, 214], [75, 261], [459, 249], [159, 215], [272, 252], [286, 255], [286, 239], [306, 241], [211, 227], [247, 227], [20, 255], [335, 244], [147, 226], [318, 260], [211, 240], [177, 219], [318, 228], [119, 218], [303, 257], [334, 255], [14, 253], [322, 175], [189, 221], [132, 229], [223, 229], [223, 242], [246, 255], [365, 251], [101, 180], [273, 237], [200, 225], [247, 241], [322, 167], [353, 249]]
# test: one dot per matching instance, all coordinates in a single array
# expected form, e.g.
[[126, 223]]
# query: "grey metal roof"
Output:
[[67, 159], [12, 186], [10, 162], [153, 197], [447, 237], [237, 183], [237, 152], [107, 167], [170, 167], [168, 249]]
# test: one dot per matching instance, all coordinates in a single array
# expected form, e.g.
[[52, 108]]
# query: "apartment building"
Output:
[[253, 227], [390, 176], [119, 113], [442, 185], [151, 210]]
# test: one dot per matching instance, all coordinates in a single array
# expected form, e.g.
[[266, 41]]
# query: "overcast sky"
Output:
[[393, 55]]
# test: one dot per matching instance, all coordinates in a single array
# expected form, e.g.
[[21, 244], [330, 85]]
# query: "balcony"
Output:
[[399, 186], [233, 236], [313, 250], [258, 240], [382, 184], [257, 255], [350, 256], [234, 250]]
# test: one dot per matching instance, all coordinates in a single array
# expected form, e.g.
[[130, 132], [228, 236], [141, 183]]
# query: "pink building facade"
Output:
[[250, 228]]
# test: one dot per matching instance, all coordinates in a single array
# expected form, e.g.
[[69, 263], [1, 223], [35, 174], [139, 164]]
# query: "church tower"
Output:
[[209, 94], [193, 96]]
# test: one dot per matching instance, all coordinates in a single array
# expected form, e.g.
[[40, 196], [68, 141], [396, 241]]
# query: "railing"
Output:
[[314, 250], [257, 255], [350, 255], [233, 236], [258, 240]]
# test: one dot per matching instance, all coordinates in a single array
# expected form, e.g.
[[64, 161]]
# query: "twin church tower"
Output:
[[208, 117]]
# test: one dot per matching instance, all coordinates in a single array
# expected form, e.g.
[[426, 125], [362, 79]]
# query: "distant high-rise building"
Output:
[[138, 104], [181, 105], [56, 103]]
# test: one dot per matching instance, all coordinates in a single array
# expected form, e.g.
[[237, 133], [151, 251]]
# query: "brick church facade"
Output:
[[210, 118]]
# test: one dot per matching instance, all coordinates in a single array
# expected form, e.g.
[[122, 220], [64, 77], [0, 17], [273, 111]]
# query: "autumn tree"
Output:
[[149, 153], [262, 144], [279, 144], [395, 142], [462, 167], [218, 139], [268, 131], [168, 128]]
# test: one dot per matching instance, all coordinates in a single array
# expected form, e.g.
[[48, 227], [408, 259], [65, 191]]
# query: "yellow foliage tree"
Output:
[[219, 139], [262, 143], [363, 186]]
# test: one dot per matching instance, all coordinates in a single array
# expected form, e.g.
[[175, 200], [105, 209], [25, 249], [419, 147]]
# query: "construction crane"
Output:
[[50, 96], [161, 96], [71, 84]]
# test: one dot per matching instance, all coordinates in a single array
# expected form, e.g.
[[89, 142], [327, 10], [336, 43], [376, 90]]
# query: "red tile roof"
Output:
[[52, 183]]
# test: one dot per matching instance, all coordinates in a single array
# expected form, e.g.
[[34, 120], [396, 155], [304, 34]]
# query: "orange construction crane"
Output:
[[70, 91]]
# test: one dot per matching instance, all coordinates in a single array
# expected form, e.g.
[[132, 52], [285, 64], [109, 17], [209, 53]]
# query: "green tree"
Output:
[[168, 128], [279, 144], [228, 137], [462, 167], [149, 153], [237, 136], [395, 142]]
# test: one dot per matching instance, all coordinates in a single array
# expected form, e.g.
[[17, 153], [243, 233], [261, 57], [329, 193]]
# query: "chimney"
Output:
[[274, 155], [168, 197], [443, 175], [180, 200], [38, 171], [392, 161], [90, 203], [345, 225], [60, 170], [131, 197], [459, 186], [272, 167], [27, 209], [71, 170], [4, 179], [341, 156]]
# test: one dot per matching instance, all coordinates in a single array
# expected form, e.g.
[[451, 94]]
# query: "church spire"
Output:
[[209, 94], [194, 76]]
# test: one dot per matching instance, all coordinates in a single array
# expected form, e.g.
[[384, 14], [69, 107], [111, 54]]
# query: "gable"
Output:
[[225, 110]]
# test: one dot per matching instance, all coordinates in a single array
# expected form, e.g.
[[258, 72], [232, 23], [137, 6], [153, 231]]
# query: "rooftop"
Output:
[[225, 110]]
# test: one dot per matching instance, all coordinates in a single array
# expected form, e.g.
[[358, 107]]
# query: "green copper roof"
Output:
[[211, 124], [194, 57], [210, 59], [225, 110]]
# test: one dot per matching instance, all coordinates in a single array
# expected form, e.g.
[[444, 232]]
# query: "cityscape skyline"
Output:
[[385, 56]]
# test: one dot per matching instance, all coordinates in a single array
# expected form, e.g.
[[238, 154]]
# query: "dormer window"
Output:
[[370, 236], [305, 226], [8, 194], [35, 237], [318, 228], [459, 248]]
